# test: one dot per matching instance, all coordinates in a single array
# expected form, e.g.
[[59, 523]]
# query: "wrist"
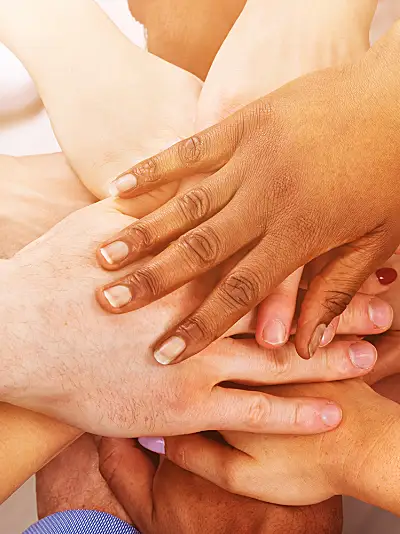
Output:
[[366, 466]]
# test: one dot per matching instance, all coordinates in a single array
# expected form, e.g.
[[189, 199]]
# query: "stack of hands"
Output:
[[224, 227]]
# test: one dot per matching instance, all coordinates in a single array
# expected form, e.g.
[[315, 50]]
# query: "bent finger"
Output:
[[129, 474], [333, 288], [275, 313]]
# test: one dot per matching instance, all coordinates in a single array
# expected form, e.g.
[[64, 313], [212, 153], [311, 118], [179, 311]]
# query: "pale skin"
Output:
[[100, 180], [359, 459]]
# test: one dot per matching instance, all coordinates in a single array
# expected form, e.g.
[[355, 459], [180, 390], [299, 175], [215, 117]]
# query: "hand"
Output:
[[63, 356], [36, 192], [170, 500], [304, 470], [104, 127], [284, 217], [72, 481], [314, 36]]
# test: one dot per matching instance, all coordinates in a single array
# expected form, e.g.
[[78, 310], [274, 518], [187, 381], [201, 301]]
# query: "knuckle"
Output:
[[280, 363], [259, 412], [140, 235], [191, 150], [197, 328], [109, 465], [230, 476], [335, 302], [146, 281], [149, 170], [177, 454], [241, 289], [201, 247], [256, 115], [195, 204]]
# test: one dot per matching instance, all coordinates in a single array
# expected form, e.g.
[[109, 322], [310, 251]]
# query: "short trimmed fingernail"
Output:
[[363, 355], [274, 332], [331, 415], [380, 313], [316, 339], [123, 184], [115, 252], [156, 445], [386, 276], [118, 296], [328, 335], [170, 350]]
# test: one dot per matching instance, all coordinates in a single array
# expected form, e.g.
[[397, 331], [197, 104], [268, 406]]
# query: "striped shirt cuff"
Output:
[[81, 522]]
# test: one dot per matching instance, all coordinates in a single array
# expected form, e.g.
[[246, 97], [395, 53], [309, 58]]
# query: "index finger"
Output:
[[201, 154]]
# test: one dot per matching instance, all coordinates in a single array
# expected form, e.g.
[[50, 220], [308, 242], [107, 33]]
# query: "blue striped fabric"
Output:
[[81, 522]]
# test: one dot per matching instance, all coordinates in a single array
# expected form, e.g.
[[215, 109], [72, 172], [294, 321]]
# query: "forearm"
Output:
[[96, 85], [28, 442], [372, 471]]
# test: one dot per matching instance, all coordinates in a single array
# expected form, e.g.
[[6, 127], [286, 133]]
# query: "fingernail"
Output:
[[386, 276], [328, 335], [316, 339], [156, 445], [274, 332], [331, 415], [122, 185], [363, 355], [118, 296], [170, 350], [115, 252], [380, 313]]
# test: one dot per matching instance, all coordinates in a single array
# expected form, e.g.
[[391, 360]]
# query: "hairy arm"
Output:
[[36, 192]]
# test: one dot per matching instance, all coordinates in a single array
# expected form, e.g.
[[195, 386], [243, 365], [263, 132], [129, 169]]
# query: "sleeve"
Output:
[[81, 522]]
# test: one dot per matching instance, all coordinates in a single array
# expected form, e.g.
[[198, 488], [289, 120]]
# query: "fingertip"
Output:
[[273, 333], [123, 186], [114, 299], [170, 350], [363, 355], [380, 314], [331, 415], [153, 444], [113, 254]]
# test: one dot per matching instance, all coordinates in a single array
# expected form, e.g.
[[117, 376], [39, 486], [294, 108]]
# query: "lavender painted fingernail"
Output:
[[156, 445]]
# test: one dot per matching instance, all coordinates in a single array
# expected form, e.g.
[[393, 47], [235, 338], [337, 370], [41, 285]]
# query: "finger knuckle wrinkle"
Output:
[[195, 204], [230, 476], [259, 412], [146, 281], [202, 247], [191, 150], [148, 170], [178, 455], [260, 113], [110, 465], [336, 302], [196, 328], [241, 289], [140, 235]]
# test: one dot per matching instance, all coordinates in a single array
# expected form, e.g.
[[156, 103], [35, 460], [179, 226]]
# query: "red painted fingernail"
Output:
[[386, 276]]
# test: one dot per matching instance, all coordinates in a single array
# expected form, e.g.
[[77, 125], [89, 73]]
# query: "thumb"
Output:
[[333, 288], [129, 473]]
